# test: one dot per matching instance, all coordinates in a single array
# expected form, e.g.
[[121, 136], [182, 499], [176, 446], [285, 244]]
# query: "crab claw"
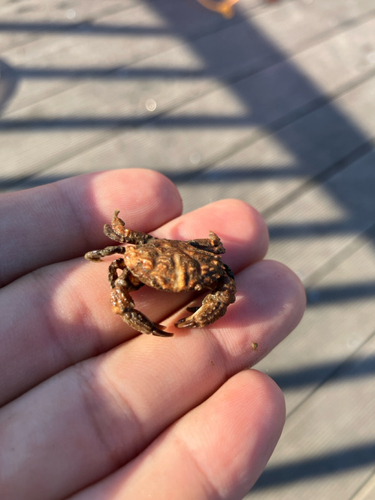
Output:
[[158, 331], [186, 322], [191, 310], [93, 255], [123, 304], [214, 305]]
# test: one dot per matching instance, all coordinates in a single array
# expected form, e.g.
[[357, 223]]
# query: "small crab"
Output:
[[169, 265]]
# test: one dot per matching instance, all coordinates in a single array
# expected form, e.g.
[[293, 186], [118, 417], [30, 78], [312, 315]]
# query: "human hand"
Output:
[[92, 410]]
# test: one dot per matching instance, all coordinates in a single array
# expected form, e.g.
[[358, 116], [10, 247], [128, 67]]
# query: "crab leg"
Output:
[[213, 307], [123, 304], [211, 244], [96, 255], [125, 279], [118, 232]]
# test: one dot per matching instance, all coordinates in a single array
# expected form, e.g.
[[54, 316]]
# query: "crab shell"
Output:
[[174, 266]]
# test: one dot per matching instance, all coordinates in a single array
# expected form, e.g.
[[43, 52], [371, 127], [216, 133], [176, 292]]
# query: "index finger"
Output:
[[61, 221]]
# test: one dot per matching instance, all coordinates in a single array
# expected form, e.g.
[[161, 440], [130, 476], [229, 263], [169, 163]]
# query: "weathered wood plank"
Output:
[[367, 492], [169, 78], [277, 165], [317, 141], [67, 68], [326, 370], [325, 451], [339, 319], [25, 21], [317, 226], [293, 24], [54, 49], [30, 11], [328, 446]]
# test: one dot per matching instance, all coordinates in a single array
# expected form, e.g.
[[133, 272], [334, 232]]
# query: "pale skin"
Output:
[[90, 409]]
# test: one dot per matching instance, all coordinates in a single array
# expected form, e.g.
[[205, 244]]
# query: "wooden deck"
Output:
[[275, 106]]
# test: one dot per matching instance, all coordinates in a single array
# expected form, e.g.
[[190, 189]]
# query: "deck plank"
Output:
[[330, 403], [327, 448], [367, 492], [338, 321], [317, 226]]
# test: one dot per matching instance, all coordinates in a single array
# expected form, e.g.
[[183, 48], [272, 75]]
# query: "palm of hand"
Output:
[[92, 410]]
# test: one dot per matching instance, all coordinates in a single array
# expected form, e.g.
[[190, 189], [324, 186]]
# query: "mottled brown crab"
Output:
[[169, 265]]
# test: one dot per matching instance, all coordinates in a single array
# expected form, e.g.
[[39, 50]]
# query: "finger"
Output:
[[239, 225], [65, 219], [61, 314], [216, 451], [116, 404]]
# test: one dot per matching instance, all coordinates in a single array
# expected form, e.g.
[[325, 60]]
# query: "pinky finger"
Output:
[[216, 451]]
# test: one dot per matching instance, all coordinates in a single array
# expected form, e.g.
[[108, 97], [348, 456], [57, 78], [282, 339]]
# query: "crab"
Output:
[[169, 265]]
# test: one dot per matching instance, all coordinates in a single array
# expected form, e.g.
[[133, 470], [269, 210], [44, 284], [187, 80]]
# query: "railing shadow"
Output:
[[328, 464], [314, 375], [8, 84], [80, 28]]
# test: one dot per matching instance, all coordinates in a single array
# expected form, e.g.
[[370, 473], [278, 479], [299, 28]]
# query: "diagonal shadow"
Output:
[[106, 74], [8, 83], [326, 134], [340, 294], [127, 123], [82, 28], [314, 375], [331, 463]]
